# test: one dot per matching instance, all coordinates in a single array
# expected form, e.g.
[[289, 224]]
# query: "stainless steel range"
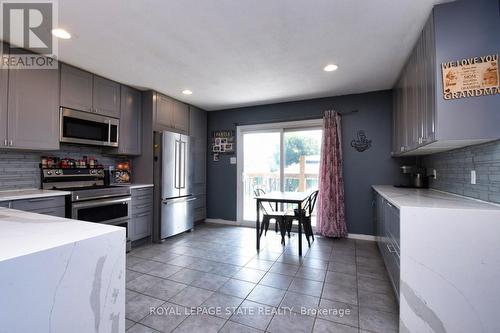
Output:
[[91, 199]]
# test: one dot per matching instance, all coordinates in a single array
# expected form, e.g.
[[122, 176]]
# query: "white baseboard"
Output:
[[250, 224], [222, 221], [363, 237]]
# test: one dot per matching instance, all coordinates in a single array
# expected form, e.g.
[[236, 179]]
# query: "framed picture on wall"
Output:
[[223, 142]]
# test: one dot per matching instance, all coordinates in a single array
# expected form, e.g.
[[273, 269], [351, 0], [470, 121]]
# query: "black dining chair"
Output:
[[271, 214], [306, 213]]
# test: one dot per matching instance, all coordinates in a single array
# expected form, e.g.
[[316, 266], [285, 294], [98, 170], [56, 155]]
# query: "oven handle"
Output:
[[109, 132], [118, 221], [98, 203]]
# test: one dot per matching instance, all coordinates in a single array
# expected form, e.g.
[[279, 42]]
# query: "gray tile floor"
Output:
[[213, 280]]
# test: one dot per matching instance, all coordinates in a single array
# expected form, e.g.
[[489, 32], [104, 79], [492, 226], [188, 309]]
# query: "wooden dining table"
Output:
[[278, 197]]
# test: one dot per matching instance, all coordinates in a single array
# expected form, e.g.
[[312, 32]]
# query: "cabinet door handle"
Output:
[[40, 200], [143, 214], [142, 206]]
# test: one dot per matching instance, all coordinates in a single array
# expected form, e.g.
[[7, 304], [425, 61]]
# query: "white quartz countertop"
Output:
[[429, 198], [23, 233], [29, 194], [133, 185], [136, 185]]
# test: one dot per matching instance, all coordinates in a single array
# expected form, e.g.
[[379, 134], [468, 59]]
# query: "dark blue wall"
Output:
[[361, 170], [465, 29]]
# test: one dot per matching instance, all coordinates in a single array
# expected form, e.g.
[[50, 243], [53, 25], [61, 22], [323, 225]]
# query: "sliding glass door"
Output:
[[277, 157], [261, 167]]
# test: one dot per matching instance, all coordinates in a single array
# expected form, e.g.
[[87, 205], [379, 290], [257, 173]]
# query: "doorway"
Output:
[[276, 157]]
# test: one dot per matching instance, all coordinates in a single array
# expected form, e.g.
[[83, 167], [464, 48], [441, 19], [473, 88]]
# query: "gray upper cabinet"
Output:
[[33, 99], [171, 115], [414, 103], [130, 122], [76, 88], [164, 115], [106, 97], [3, 99], [424, 121], [84, 91], [181, 117]]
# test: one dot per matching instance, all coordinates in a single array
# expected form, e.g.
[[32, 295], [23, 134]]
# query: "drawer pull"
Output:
[[142, 189], [142, 206], [40, 200], [143, 214]]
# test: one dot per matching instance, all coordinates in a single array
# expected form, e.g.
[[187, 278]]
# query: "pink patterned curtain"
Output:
[[331, 207]]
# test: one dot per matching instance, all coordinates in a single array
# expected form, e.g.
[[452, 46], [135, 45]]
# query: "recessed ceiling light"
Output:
[[187, 92], [61, 33], [330, 68]]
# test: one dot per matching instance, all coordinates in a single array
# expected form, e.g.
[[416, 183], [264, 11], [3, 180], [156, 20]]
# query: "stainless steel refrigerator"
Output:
[[173, 177]]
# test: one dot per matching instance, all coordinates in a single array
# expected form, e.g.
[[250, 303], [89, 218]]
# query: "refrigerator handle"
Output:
[[176, 164], [183, 167]]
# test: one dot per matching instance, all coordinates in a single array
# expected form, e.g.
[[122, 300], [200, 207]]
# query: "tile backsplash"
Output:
[[20, 169], [454, 171]]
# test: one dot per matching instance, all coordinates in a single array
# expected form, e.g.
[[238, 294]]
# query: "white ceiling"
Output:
[[233, 53]]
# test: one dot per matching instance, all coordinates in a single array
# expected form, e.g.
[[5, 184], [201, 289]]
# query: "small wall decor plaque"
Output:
[[361, 143], [223, 142], [471, 77]]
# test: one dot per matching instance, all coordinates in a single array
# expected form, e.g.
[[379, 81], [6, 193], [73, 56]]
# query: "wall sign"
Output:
[[471, 77], [361, 143], [222, 143]]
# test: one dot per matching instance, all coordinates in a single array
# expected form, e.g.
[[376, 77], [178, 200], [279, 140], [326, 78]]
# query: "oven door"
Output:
[[88, 128], [114, 211]]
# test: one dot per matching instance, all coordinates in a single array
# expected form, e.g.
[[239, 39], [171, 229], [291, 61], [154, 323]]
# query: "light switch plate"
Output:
[[232, 160], [473, 177]]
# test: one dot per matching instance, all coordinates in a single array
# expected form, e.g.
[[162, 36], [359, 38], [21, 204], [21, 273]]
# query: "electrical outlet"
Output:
[[473, 177]]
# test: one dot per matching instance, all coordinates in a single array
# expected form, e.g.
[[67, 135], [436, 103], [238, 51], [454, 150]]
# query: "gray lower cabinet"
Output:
[[5, 204], [106, 97], [387, 225], [54, 206], [33, 115], [141, 221], [130, 122], [198, 132], [76, 88], [171, 115]]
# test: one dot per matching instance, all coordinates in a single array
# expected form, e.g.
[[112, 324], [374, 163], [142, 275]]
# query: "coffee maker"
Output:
[[417, 176]]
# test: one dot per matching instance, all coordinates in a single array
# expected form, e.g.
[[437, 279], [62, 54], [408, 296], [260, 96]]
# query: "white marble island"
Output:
[[449, 252], [60, 275]]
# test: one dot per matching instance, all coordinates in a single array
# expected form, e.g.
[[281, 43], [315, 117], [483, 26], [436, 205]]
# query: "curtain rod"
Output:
[[289, 119]]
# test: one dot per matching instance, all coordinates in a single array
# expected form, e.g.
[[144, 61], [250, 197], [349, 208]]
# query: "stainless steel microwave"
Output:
[[88, 128]]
